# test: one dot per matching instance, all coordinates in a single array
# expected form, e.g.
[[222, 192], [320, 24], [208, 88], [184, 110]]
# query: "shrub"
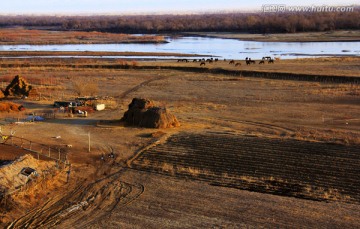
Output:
[[83, 87]]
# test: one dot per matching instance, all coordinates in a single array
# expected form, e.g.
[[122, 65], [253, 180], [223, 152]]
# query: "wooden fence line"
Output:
[[38, 148]]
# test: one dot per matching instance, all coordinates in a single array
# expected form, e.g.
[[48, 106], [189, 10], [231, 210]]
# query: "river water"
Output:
[[217, 47]]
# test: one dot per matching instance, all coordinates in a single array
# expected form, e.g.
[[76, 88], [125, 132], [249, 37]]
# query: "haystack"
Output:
[[143, 113], [18, 87]]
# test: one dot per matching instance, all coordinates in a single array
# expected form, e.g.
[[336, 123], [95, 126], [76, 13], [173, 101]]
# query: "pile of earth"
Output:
[[143, 113], [10, 106], [17, 87]]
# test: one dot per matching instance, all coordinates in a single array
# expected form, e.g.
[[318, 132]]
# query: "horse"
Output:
[[271, 61], [232, 62], [237, 64], [202, 63], [262, 62]]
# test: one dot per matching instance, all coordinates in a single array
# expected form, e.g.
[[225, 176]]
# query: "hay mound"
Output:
[[138, 103], [143, 113], [18, 87], [9, 106]]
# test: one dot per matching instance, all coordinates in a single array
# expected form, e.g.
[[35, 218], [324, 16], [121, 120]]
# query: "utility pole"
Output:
[[88, 134], [89, 140]]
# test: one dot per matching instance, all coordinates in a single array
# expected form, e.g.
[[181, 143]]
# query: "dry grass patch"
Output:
[[333, 136]]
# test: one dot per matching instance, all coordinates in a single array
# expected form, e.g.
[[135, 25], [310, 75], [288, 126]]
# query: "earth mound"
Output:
[[143, 113], [18, 87]]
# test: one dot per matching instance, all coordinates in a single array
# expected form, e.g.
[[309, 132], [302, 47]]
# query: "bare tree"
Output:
[[83, 86]]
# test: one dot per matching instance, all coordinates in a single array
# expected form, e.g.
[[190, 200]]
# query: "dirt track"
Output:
[[82, 206]]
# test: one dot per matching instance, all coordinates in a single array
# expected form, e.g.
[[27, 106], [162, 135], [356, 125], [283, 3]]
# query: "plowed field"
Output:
[[309, 170]]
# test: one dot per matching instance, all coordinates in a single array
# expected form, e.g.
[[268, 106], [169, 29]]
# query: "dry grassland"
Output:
[[12, 36], [109, 194]]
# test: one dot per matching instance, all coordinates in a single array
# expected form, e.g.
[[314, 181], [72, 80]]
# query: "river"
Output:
[[217, 47]]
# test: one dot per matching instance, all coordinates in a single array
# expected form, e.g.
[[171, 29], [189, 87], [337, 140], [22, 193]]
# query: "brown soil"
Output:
[[310, 123]]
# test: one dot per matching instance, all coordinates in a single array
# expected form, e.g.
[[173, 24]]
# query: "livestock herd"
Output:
[[248, 61]]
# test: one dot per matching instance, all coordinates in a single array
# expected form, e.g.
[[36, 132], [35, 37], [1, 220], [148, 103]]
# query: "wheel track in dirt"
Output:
[[142, 84], [31, 216], [93, 201]]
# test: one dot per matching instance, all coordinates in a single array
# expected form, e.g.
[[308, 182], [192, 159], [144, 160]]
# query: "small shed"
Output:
[[27, 171], [99, 106]]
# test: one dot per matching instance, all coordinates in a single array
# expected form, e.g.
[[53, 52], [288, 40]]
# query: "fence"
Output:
[[39, 150]]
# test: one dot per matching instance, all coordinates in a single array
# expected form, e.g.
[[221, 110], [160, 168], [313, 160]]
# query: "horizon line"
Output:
[[133, 13]]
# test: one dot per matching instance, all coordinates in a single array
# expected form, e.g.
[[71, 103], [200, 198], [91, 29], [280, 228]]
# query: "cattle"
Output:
[[262, 62], [232, 62], [249, 61]]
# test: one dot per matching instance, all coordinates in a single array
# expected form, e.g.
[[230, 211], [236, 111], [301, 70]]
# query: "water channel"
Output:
[[217, 47]]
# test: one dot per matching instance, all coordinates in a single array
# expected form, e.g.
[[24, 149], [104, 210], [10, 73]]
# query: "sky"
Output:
[[78, 7]]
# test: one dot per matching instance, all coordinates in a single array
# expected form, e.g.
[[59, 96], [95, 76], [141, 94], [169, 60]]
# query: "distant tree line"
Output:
[[230, 22]]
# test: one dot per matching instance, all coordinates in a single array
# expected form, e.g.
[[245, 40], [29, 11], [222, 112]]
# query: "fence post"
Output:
[[49, 152], [59, 155]]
